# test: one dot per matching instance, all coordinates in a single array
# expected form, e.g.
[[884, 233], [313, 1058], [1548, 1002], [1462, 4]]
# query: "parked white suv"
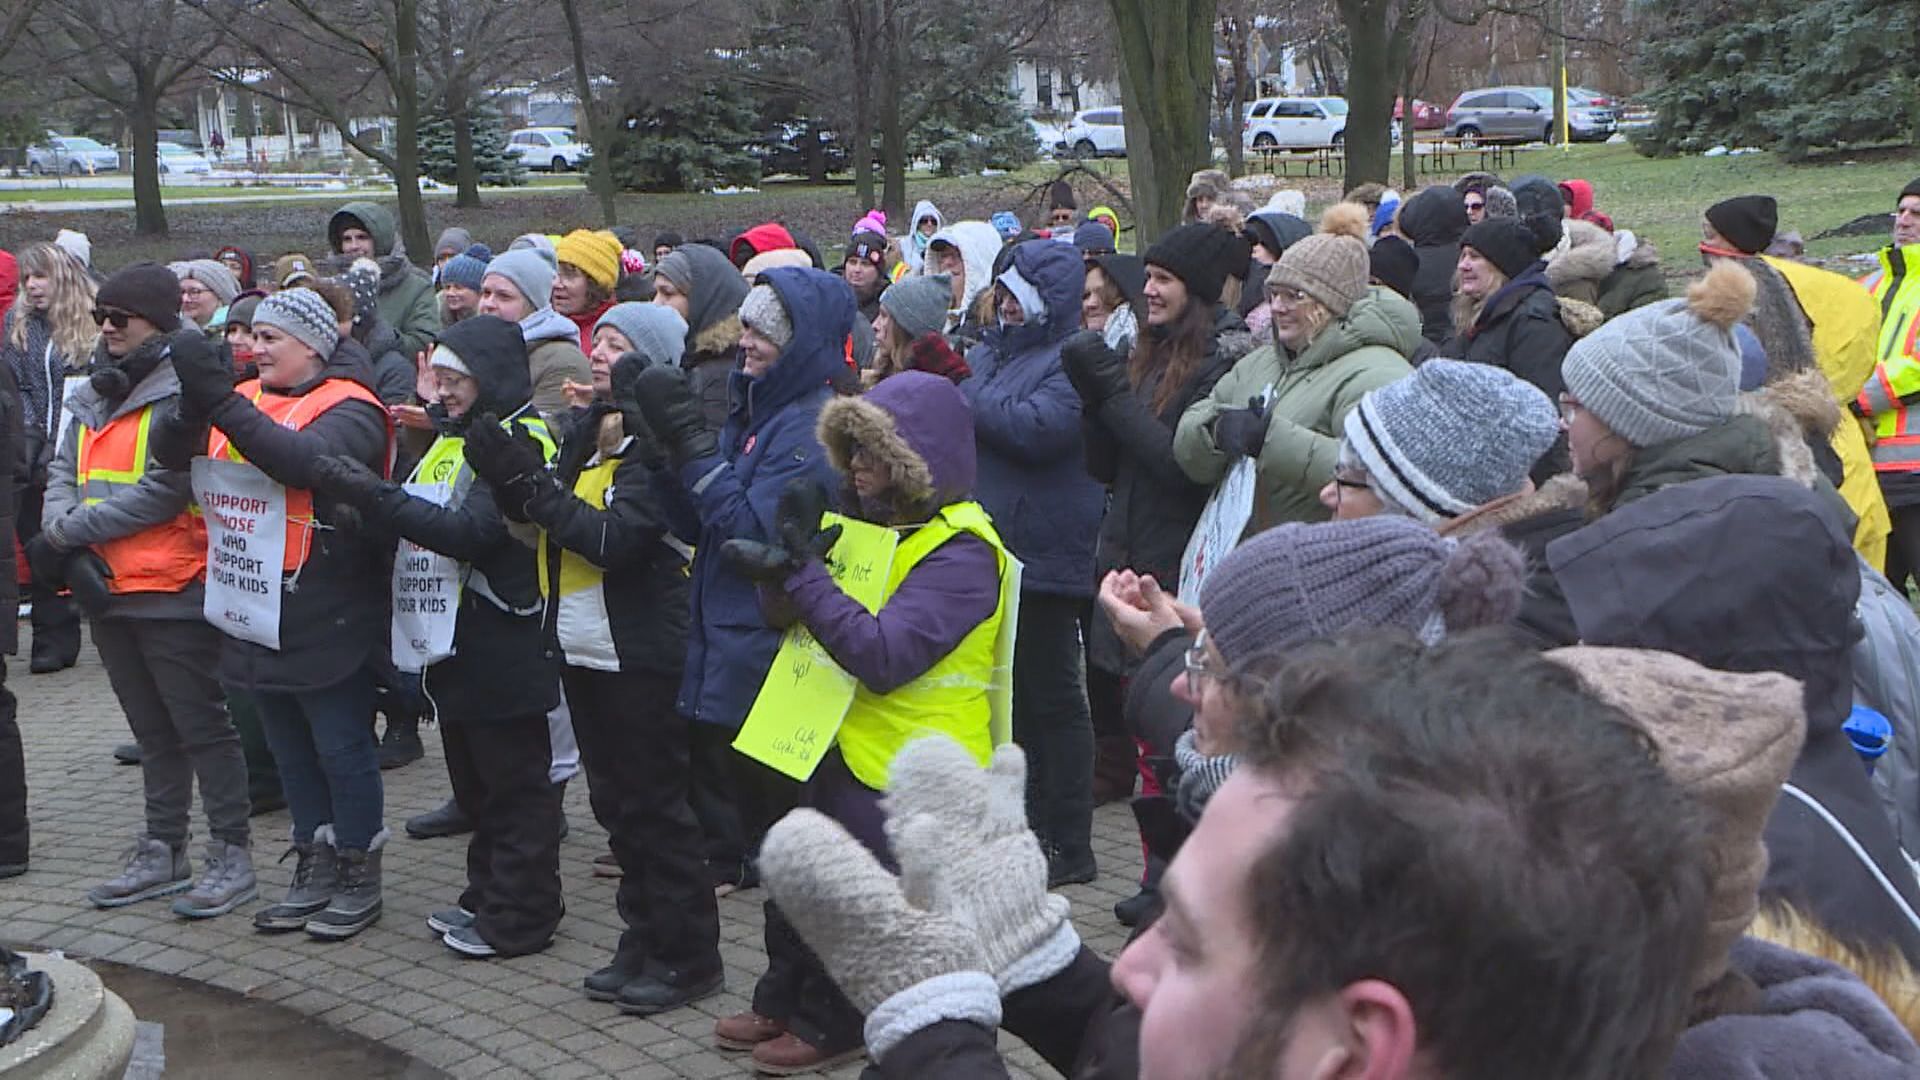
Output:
[[1096, 133], [1287, 123], [550, 148]]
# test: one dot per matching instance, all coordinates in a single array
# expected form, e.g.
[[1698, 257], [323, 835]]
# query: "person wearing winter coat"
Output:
[[391, 371], [1271, 233], [965, 253], [924, 660], [584, 279], [206, 288], [239, 263], [1433, 221], [699, 283], [1505, 311], [1580, 270], [1636, 279], [459, 281], [366, 230], [15, 830], [1673, 465], [1113, 298], [49, 333], [494, 683], [1034, 481], [515, 288], [1278, 880], [117, 530], [922, 226], [906, 332], [315, 692], [1335, 338]]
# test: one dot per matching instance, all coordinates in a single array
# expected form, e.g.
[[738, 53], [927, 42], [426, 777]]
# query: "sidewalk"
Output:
[[396, 983]]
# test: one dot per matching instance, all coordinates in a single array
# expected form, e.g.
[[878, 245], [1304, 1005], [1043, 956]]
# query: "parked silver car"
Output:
[[75, 155], [1524, 114]]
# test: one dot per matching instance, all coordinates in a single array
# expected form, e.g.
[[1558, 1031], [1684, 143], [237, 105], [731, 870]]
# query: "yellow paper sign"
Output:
[[806, 695]]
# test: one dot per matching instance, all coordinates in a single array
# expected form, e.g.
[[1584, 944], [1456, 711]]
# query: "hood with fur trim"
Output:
[[919, 427], [1589, 257]]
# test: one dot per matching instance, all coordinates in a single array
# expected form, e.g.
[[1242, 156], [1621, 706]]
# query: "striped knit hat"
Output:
[[304, 315]]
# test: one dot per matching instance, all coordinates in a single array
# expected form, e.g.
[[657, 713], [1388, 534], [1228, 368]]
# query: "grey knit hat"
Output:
[[657, 332], [213, 274], [1450, 437], [468, 268], [763, 311], [1299, 583], [1331, 265], [918, 304], [304, 314], [531, 272], [1500, 202], [1667, 370]]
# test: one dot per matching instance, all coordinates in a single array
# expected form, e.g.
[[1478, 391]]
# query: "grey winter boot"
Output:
[[154, 868], [226, 882], [356, 896], [312, 888]]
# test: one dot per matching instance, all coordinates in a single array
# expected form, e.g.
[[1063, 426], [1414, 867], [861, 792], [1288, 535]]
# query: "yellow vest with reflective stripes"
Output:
[[1896, 285], [952, 696], [445, 462], [164, 558]]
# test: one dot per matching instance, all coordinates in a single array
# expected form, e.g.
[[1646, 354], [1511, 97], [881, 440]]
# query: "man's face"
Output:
[[356, 242], [661, 251], [1059, 218], [123, 331], [1194, 973], [860, 274], [1906, 222]]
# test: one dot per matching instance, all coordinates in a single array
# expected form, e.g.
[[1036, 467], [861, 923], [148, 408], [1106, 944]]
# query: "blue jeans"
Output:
[[323, 742]]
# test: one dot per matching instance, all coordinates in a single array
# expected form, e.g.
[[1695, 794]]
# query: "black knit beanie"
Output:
[[1393, 264], [1202, 256], [1912, 188], [1747, 221], [1505, 242], [146, 289]]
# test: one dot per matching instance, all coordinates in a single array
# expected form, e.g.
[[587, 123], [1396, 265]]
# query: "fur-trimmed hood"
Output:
[[1634, 252], [918, 424], [1563, 492], [720, 339], [1590, 256]]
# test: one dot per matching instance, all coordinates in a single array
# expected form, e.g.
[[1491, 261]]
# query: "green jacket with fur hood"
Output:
[[1312, 392], [406, 299]]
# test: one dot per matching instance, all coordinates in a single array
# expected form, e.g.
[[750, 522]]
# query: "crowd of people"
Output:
[[1510, 667]]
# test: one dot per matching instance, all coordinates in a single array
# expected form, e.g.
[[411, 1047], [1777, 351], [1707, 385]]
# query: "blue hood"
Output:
[[1057, 271], [821, 308]]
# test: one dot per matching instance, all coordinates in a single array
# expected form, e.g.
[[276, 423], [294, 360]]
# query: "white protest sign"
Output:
[[1223, 521], [246, 515], [426, 593]]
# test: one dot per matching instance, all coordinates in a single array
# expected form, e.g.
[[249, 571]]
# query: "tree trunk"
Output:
[[1239, 40], [893, 131], [600, 168], [1407, 129], [406, 129], [1166, 75], [1376, 57], [466, 172], [1557, 43], [860, 34], [143, 115]]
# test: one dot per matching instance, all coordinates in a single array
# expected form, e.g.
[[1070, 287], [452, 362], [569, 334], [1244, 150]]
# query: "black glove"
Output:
[[349, 480], [673, 415], [205, 379], [87, 576], [766, 564], [626, 398], [1096, 371], [1241, 431], [501, 457], [48, 563], [797, 519]]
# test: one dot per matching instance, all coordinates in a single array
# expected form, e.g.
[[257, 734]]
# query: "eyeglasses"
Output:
[[1472, 206], [1569, 408], [1356, 480], [119, 319], [1286, 297], [1199, 664], [194, 292]]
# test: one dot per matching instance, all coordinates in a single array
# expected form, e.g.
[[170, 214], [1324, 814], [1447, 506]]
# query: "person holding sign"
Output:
[[924, 661], [466, 607], [119, 527], [615, 581], [301, 599]]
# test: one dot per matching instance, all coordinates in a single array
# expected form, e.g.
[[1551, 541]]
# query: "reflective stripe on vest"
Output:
[[1896, 285], [164, 558], [295, 413], [950, 697], [445, 462]]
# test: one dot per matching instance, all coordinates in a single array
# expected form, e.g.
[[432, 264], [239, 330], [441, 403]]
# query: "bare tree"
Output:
[[468, 47], [331, 55], [600, 169], [1166, 75], [128, 54]]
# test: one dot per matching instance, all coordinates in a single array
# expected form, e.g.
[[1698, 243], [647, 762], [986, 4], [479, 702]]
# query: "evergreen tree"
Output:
[[689, 144], [1794, 76], [496, 164], [979, 126]]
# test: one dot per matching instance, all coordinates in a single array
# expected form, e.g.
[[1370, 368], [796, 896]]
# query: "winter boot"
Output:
[[400, 746], [356, 896], [154, 868], [226, 882], [447, 820], [312, 889]]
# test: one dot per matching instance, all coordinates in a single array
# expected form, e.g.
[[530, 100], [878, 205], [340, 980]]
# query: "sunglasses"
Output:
[[119, 319], [1472, 206]]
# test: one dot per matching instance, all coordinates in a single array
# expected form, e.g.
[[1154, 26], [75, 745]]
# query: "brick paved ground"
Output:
[[395, 983]]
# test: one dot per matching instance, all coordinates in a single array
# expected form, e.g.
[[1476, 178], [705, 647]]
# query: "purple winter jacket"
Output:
[[920, 427]]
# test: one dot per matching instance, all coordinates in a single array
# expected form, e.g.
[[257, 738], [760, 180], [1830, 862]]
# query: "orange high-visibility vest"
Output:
[[296, 413], [164, 558]]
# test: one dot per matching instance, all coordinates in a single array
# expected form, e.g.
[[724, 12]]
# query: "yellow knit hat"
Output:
[[597, 254]]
